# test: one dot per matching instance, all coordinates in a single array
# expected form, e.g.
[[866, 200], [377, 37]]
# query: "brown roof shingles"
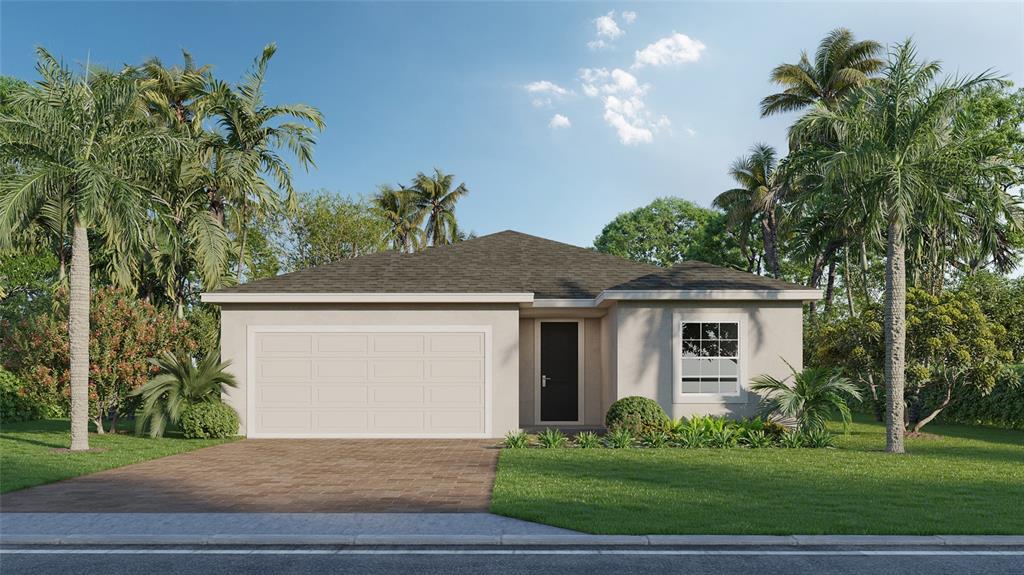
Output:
[[505, 262]]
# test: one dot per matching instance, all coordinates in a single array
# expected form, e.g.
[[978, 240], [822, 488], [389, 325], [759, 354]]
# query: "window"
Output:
[[711, 357]]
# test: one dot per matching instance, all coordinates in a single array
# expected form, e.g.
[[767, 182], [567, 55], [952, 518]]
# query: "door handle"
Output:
[[544, 380]]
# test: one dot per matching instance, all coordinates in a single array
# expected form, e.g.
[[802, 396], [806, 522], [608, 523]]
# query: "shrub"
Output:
[[756, 439], [814, 397], [208, 420], [791, 440], [655, 438], [552, 438], [587, 440], [817, 439], [723, 438], [516, 440], [620, 438], [691, 438], [774, 429], [178, 384], [15, 405], [637, 414]]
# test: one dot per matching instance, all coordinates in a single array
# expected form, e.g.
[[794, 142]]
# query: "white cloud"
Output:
[[624, 105], [596, 45], [675, 49], [559, 121], [607, 27], [629, 17], [691, 132], [545, 92]]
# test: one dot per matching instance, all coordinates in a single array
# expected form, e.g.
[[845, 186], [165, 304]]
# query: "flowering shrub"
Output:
[[124, 332]]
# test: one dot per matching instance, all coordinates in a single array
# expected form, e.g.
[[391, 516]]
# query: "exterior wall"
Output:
[[594, 394], [503, 320], [645, 350]]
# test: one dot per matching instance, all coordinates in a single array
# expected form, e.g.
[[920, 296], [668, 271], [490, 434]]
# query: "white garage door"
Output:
[[360, 381]]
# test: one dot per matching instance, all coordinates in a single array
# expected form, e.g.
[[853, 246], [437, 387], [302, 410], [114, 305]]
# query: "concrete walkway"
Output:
[[443, 529]]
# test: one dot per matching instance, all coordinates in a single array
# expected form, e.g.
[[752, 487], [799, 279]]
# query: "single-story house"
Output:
[[503, 332]]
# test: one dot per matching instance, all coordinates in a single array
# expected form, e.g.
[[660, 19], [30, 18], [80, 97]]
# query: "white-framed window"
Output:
[[709, 356]]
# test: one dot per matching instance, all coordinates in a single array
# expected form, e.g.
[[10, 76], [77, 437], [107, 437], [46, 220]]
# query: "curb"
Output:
[[522, 540]]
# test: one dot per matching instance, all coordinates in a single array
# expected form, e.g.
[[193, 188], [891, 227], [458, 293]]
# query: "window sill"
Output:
[[703, 398]]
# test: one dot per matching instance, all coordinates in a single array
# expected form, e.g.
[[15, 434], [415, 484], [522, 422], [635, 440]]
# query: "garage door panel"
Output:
[[456, 343], [270, 395], [340, 395], [389, 343], [343, 344], [372, 382], [341, 369], [451, 369], [275, 370]]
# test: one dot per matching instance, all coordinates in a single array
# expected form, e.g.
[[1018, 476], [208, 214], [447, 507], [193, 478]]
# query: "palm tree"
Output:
[[84, 145], [814, 397], [841, 66], [757, 199], [177, 94], [436, 199], [178, 384], [398, 207], [252, 135], [900, 153]]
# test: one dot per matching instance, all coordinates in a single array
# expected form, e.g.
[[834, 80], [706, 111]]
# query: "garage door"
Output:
[[408, 382]]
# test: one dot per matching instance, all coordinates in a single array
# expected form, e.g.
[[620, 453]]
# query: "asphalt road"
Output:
[[560, 562]]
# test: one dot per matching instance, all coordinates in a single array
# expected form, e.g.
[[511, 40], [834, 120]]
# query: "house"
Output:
[[498, 333]]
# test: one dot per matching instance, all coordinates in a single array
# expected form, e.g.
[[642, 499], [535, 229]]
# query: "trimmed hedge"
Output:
[[14, 404], [1002, 407], [637, 414], [208, 420]]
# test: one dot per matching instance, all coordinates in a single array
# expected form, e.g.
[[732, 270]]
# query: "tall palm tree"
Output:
[[84, 144], [252, 136], [404, 217], [436, 199], [841, 65], [901, 153], [756, 200]]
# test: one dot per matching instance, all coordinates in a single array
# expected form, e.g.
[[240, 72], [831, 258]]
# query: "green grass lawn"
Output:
[[29, 456], [968, 481]]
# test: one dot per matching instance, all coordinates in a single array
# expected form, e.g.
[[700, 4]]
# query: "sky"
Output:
[[557, 116]]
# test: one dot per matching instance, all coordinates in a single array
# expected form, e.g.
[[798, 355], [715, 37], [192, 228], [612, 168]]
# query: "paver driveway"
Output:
[[285, 475]]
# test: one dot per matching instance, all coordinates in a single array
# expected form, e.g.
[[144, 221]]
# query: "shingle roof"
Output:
[[504, 262]]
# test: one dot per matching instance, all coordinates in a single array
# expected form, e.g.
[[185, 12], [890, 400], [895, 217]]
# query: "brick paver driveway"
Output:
[[285, 475]]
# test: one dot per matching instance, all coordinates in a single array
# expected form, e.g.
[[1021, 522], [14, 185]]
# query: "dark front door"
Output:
[[559, 371]]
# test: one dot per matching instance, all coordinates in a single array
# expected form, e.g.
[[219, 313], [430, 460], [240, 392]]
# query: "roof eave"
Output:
[[710, 295], [353, 297]]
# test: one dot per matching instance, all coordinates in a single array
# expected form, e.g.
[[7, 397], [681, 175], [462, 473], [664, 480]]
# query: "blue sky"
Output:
[[406, 87]]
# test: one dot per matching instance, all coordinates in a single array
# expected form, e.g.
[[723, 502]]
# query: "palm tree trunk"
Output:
[[78, 336], [847, 281], [830, 286], [771, 252], [895, 337], [241, 246]]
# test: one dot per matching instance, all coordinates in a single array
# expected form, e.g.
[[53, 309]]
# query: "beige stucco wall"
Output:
[[503, 320], [594, 381], [644, 349]]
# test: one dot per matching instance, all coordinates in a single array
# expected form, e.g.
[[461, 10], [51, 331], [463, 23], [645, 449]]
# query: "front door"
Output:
[[559, 371]]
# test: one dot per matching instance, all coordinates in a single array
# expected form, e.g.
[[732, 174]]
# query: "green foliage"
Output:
[[637, 414], [552, 438], [668, 231], [724, 438], [817, 438], [756, 439], [1002, 406], [1002, 301], [179, 383], [516, 440], [208, 420], [620, 438], [587, 440], [328, 227], [655, 438], [204, 329], [15, 405], [815, 396], [124, 333], [792, 440]]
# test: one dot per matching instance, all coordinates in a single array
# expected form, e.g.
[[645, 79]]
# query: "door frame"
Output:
[[579, 370]]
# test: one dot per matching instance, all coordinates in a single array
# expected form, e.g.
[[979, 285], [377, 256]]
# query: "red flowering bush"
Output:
[[124, 332]]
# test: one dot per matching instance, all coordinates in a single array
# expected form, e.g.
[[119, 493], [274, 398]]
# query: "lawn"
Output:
[[29, 452], [968, 481]]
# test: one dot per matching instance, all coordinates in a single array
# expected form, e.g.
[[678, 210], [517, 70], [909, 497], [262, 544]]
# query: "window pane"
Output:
[[691, 330], [691, 387], [728, 348], [709, 348], [709, 331], [729, 330], [691, 347], [709, 387], [691, 367], [729, 368], [709, 368]]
